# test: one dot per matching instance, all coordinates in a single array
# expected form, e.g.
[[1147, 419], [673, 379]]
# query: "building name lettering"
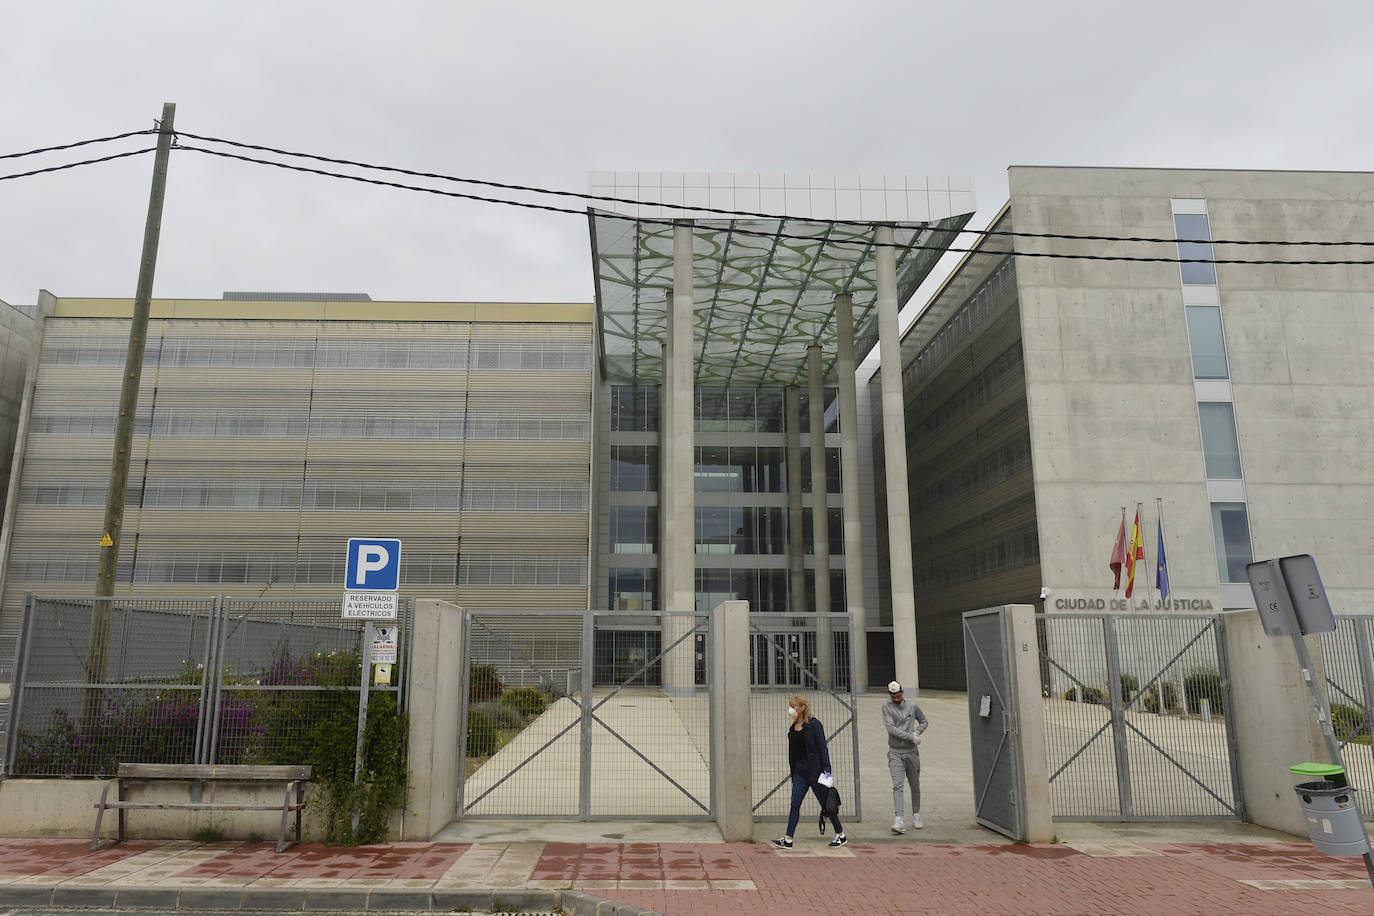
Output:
[[1132, 604]]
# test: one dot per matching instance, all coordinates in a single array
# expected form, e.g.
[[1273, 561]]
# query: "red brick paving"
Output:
[[62, 858], [311, 860]]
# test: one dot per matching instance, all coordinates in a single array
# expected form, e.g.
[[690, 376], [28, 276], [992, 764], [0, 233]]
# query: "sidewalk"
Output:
[[904, 875]]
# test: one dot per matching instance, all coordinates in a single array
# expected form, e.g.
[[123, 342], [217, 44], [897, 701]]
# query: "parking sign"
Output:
[[374, 564]]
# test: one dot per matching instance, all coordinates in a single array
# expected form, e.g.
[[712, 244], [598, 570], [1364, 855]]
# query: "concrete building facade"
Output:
[[1044, 395]]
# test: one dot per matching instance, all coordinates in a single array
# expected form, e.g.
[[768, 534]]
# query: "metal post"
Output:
[[464, 681], [584, 744], [362, 717], [124, 423], [21, 658], [1123, 760]]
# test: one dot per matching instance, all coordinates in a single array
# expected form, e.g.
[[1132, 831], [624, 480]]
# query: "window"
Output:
[[1231, 531], [1220, 450], [1205, 341], [1194, 228], [634, 529], [634, 468]]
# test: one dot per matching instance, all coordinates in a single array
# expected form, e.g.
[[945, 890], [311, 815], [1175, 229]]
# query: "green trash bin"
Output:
[[1333, 819]]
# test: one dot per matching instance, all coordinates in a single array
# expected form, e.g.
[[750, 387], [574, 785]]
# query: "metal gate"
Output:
[[993, 740], [1348, 654], [787, 657], [592, 715], [1136, 721]]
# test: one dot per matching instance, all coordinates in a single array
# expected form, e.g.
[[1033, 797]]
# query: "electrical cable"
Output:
[[763, 234], [72, 165], [737, 213], [50, 149]]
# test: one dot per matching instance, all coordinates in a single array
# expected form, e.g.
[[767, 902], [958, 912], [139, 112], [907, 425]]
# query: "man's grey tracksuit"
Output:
[[903, 722]]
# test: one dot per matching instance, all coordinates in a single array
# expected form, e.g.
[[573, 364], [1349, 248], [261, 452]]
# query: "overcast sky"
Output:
[[541, 93]]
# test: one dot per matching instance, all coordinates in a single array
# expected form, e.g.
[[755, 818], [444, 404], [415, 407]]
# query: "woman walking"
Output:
[[808, 757]]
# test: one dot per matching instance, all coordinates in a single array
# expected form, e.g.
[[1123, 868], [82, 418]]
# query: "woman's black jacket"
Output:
[[817, 760]]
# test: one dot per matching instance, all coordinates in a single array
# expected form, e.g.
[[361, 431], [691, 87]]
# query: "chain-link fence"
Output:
[[1348, 653], [99, 682]]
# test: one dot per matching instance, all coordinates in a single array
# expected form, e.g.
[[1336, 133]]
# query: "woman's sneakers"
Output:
[[839, 840], [783, 842]]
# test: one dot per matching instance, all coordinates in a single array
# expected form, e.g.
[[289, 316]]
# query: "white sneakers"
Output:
[[899, 825]]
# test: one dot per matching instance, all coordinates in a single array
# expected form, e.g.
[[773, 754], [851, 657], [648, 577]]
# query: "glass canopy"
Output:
[[765, 287]]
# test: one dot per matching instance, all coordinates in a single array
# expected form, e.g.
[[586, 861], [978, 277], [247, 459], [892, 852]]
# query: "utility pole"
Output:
[[101, 613]]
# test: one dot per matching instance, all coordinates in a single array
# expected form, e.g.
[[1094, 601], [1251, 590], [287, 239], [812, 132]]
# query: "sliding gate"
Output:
[[585, 715]]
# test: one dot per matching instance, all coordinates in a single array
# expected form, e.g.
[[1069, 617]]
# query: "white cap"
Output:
[[894, 687]]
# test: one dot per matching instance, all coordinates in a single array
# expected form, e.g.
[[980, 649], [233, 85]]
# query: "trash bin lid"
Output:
[[1316, 769]]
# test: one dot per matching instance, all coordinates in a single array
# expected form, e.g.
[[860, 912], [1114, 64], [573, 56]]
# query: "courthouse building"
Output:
[[693, 434]]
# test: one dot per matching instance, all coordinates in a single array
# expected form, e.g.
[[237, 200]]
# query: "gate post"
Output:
[[435, 666], [1024, 648], [732, 791]]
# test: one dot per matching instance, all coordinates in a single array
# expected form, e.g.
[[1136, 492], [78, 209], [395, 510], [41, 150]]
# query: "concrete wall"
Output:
[[1272, 719], [1113, 408], [1037, 809]]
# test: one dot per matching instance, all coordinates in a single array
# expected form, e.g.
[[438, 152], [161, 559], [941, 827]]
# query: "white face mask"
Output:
[[792, 711]]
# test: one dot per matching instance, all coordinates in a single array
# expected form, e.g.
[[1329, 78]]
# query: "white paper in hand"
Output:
[[826, 780]]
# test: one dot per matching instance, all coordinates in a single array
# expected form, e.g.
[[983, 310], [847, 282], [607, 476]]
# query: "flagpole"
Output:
[[1143, 558]]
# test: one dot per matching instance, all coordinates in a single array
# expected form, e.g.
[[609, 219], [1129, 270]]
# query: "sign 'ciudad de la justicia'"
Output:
[[1133, 604]]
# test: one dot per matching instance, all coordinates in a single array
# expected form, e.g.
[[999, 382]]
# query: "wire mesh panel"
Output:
[[284, 669], [786, 659], [1348, 653], [522, 700], [105, 682], [1135, 717], [650, 737]]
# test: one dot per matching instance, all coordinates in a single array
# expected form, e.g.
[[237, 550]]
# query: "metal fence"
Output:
[[1135, 717], [589, 715], [206, 680], [786, 658], [1348, 653]]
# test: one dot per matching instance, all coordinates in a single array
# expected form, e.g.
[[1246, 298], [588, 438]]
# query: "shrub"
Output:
[[500, 715], [481, 740], [1093, 696], [1151, 697], [1346, 721], [1130, 686], [1203, 684], [530, 701], [484, 683], [380, 787]]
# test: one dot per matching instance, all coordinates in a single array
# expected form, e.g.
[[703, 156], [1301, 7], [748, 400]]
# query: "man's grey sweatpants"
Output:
[[905, 766]]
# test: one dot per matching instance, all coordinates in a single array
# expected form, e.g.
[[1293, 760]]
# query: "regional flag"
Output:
[[1161, 566], [1135, 551], [1118, 553]]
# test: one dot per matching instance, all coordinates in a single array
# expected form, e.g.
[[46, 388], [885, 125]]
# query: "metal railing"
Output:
[[1348, 653]]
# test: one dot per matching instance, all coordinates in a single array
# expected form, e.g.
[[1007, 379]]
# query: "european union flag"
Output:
[[1161, 564]]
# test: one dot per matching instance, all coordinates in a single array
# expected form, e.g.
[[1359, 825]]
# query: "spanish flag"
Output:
[[1135, 551]]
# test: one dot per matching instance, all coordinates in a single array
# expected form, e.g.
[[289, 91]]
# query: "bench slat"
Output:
[[244, 772], [194, 806]]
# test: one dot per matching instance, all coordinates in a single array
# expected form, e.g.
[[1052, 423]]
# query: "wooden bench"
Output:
[[292, 778]]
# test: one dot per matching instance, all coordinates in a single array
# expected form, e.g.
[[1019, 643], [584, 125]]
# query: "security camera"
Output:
[[1044, 592]]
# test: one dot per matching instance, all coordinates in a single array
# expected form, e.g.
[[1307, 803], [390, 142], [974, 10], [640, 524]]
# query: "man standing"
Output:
[[901, 719]]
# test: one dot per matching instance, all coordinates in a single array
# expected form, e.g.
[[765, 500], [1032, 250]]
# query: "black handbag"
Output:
[[830, 806]]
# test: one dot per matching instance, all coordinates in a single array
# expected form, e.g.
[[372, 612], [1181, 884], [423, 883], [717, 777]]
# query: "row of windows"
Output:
[[287, 423], [246, 568], [735, 530], [745, 410], [720, 469], [476, 495], [304, 353], [636, 589], [983, 302], [1014, 549], [1002, 373], [992, 467]]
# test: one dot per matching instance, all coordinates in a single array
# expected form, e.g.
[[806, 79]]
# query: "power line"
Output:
[[550, 208], [72, 165], [986, 233], [51, 149]]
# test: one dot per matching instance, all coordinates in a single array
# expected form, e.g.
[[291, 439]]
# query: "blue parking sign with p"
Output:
[[374, 564]]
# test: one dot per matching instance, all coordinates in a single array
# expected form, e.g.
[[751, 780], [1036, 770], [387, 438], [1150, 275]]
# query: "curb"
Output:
[[334, 899]]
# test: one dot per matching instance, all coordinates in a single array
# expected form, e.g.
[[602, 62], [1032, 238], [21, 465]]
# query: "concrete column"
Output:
[[677, 497], [731, 773], [47, 303], [796, 548], [894, 454], [436, 683], [849, 490], [1272, 718], [1037, 809], [820, 525]]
